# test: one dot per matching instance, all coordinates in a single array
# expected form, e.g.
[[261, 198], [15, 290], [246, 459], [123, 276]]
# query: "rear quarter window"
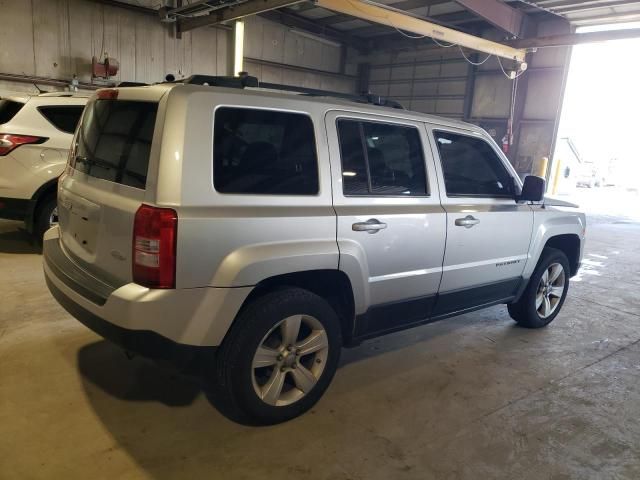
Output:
[[264, 152], [63, 117], [8, 110]]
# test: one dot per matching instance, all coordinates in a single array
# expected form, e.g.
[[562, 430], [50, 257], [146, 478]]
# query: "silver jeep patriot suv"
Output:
[[253, 232]]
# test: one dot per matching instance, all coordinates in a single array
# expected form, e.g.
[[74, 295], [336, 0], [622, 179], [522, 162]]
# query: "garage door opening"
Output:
[[597, 159]]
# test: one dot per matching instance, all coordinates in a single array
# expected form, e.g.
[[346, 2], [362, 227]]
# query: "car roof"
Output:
[[26, 97], [312, 101], [66, 94]]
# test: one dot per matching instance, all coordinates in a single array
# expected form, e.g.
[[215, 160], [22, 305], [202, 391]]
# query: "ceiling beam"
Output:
[[452, 20], [400, 5], [498, 14], [403, 21], [575, 39], [252, 7], [128, 6]]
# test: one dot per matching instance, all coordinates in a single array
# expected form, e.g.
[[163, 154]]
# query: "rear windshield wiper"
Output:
[[90, 162]]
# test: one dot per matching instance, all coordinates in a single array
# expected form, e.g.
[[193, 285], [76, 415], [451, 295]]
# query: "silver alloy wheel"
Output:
[[550, 290], [290, 360], [53, 218]]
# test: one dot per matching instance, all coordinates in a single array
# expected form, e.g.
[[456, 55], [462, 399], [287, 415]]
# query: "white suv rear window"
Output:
[[114, 141]]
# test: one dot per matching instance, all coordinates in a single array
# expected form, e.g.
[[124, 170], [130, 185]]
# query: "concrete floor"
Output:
[[470, 397]]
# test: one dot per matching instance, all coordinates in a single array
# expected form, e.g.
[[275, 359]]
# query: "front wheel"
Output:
[[279, 357], [545, 294]]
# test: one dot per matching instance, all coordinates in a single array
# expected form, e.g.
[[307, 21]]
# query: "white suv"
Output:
[[35, 136], [253, 233]]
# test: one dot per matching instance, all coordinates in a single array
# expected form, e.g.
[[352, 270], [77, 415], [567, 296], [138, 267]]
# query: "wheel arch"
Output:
[[332, 285], [569, 244], [45, 190]]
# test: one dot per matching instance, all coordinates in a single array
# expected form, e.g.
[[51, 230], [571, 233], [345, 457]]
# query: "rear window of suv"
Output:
[[114, 141], [8, 110], [264, 152]]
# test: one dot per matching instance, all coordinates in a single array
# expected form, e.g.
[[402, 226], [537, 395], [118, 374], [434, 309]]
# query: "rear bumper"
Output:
[[140, 319], [146, 343]]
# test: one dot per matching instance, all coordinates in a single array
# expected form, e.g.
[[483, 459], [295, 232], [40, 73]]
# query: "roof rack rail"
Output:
[[221, 81], [132, 84], [245, 80]]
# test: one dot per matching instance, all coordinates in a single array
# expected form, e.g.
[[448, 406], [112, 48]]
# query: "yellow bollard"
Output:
[[541, 171], [556, 177]]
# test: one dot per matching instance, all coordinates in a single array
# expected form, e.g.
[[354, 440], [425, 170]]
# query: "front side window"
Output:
[[471, 167], [381, 159], [264, 152]]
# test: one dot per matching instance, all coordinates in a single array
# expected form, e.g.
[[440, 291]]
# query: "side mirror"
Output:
[[533, 189]]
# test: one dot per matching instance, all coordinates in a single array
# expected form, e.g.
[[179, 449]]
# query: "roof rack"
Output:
[[245, 80], [132, 84]]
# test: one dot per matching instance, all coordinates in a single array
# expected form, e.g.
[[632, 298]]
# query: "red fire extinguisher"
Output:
[[507, 140], [505, 143]]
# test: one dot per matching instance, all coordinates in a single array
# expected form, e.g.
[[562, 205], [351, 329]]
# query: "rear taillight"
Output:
[[154, 247], [9, 142]]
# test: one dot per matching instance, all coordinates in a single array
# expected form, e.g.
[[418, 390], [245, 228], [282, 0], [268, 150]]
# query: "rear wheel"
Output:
[[279, 357], [545, 294], [46, 216]]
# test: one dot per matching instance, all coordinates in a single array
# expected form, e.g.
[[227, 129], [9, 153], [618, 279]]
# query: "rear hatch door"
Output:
[[106, 180]]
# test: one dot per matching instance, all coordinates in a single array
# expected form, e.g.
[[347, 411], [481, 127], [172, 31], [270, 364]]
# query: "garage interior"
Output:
[[467, 397]]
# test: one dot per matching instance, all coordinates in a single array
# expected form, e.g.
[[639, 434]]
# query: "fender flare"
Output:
[[560, 225]]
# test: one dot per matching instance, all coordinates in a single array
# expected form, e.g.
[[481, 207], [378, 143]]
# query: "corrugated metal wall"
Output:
[[270, 47], [538, 101], [439, 81], [57, 38], [429, 80]]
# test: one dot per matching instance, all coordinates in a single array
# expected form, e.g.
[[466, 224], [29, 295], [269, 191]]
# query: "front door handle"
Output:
[[372, 226], [467, 222]]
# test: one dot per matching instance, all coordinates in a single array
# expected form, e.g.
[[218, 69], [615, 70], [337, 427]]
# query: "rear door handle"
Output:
[[372, 226], [467, 222]]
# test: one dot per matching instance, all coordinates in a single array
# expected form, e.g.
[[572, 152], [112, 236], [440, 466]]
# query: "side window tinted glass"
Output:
[[472, 167], [381, 159], [8, 110], [264, 152], [64, 118]]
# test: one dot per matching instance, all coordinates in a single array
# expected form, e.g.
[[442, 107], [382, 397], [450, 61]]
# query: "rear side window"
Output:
[[381, 159], [8, 110], [264, 152], [63, 117], [472, 168], [114, 141]]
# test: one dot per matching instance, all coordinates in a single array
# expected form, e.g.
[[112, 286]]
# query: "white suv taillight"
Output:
[[9, 142], [155, 233]]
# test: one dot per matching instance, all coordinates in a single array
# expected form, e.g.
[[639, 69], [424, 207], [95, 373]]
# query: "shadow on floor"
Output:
[[135, 380], [159, 418], [106, 366], [17, 240]]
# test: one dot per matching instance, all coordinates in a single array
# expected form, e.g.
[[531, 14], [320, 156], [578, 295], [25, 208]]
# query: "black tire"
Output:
[[43, 214], [524, 311], [231, 380]]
